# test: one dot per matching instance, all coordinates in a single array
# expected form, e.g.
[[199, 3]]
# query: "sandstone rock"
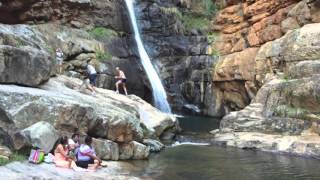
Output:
[[297, 145], [41, 135], [289, 24], [105, 149]]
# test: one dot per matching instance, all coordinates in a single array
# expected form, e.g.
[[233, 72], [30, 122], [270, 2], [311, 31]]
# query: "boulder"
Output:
[[41, 135], [153, 145], [133, 150], [107, 115], [5, 152], [105, 149]]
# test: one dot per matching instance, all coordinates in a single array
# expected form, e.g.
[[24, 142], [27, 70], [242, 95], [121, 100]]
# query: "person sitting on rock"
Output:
[[87, 157], [74, 144], [61, 158], [121, 80], [59, 58]]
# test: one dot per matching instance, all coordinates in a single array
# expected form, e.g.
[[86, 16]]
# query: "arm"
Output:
[[91, 155], [61, 150]]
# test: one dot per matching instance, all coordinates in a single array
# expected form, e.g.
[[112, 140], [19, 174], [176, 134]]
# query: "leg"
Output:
[[124, 88], [94, 166], [117, 86]]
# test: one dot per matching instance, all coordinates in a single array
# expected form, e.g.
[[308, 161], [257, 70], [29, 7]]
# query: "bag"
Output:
[[49, 158], [36, 156]]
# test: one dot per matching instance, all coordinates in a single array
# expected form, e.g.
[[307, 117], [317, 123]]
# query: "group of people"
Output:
[[69, 153], [89, 81]]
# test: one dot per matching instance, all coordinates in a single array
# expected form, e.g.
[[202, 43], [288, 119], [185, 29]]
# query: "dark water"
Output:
[[215, 162]]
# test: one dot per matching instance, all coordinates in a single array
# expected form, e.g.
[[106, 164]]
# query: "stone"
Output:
[[289, 24], [133, 150], [107, 115], [105, 149], [153, 145], [5, 151], [41, 135]]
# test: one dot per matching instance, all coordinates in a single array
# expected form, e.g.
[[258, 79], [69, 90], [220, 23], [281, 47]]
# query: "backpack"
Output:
[[36, 156]]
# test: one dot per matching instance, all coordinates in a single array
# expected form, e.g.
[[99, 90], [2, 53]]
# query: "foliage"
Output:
[[212, 37], [210, 7], [171, 11], [103, 33], [14, 157], [102, 56], [291, 112], [193, 21]]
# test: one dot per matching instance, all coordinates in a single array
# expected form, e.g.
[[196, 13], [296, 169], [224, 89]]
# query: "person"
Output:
[[86, 85], [92, 73], [87, 157], [59, 57], [121, 80], [61, 158], [74, 143]]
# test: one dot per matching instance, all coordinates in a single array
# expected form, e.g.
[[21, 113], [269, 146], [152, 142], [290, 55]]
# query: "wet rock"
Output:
[[41, 135]]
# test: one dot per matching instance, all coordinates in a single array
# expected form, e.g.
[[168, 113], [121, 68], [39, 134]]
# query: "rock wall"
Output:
[[243, 27], [284, 114], [180, 57]]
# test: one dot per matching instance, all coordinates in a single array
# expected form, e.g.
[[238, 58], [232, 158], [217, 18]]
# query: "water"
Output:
[[215, 162], [159, 94]]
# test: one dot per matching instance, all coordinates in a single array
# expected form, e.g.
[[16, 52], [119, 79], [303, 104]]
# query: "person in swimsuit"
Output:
[[121, 80]]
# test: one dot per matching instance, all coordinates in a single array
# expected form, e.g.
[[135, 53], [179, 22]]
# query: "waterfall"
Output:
[[159, 94]]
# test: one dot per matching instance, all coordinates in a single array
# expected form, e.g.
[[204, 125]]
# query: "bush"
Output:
[[102, 56], [171, 11], [14, 157], [210, 7], [103, 33], [193, 21]]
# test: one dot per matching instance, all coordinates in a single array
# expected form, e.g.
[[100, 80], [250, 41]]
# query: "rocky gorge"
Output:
[[253, 63]]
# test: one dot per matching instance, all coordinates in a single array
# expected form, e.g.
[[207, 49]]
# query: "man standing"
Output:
[[59, 57], [92, 74], [121, 80]]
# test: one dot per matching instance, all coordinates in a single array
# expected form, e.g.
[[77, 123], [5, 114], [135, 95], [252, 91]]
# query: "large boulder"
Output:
[[41, 135], [106, 149], [107, 115], [134, 150], [22, 59]]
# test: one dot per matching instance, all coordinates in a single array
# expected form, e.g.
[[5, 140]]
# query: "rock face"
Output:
[[181, 59], [287, 105], [22, 60], [243, 28], [107, 116], [41, 135]]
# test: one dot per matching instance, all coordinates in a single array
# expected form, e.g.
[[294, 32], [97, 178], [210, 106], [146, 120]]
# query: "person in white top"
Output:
[[121, 80], [92, 74], [59, 58]]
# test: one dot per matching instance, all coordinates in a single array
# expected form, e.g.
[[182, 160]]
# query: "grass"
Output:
[[103, 33], [103, 56], [14, 157]]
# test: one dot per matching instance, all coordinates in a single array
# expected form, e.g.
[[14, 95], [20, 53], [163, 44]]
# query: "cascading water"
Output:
[[159, 94]]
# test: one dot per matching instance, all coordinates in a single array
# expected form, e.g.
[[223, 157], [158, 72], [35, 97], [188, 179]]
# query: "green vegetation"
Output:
[[291, 112], [210, 7], [103, 56], [103, 33], [20, 43], [171, 11], [193, 21], [14, 157]]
